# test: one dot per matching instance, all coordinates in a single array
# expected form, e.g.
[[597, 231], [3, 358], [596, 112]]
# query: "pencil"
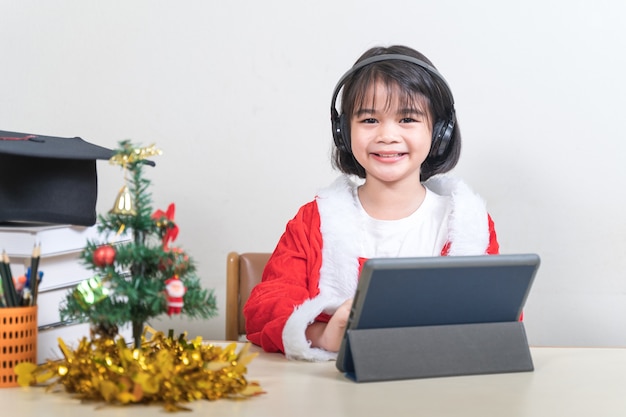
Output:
[[7, 280], [34, 278], [3, 300], [5, 283]]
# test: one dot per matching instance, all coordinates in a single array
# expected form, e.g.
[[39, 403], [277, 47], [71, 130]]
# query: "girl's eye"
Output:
[[369, 120], [408, 120]]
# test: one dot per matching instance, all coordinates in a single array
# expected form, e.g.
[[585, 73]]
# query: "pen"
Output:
[[26, 297], [20, 286]]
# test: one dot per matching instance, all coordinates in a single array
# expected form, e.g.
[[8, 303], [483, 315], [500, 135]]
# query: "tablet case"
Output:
[[474, 345]]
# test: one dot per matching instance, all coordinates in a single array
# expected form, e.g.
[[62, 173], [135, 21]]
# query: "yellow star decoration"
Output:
[[133, 155], [165, 370]]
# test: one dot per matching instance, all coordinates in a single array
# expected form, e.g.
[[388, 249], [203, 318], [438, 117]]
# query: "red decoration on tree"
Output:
[[165, 221], [175, 290], [104, 256]]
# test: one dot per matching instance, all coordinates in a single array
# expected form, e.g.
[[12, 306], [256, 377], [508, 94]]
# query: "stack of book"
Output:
[[62, 269]]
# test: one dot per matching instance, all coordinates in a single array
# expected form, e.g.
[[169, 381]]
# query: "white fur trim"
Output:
[[294, 340], [469, 226], [340, 233]]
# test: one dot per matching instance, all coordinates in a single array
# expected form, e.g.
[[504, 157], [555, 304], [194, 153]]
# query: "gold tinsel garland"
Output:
[[165, 370]]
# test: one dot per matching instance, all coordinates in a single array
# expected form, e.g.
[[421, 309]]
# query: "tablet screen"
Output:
[[404, 292]]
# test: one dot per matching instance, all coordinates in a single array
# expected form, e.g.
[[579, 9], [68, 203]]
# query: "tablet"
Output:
[[432, 291]]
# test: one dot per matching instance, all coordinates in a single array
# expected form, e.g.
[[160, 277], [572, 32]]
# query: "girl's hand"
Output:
[[328, 336], [339, 320]]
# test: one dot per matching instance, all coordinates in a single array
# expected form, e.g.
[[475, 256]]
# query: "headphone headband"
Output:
[[386, 57]]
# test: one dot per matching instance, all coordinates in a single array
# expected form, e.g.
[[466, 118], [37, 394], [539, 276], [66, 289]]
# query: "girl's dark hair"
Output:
[[418, 88]]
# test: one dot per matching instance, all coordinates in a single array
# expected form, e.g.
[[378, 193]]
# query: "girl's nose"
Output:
[[388, 132]]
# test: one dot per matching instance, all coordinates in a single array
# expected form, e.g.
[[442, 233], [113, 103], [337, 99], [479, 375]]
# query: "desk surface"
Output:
[[566, 382]]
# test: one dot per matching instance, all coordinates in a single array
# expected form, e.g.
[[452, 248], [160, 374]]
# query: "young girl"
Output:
[[395, 136]]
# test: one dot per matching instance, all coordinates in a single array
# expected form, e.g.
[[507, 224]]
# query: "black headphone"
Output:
[[442, 131]]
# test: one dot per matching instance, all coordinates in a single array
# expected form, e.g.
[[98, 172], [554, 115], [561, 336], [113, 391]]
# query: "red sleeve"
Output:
[[494, 247], [290, 278]]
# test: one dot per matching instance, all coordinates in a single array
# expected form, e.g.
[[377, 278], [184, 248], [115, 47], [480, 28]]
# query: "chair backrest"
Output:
[[243, 272]]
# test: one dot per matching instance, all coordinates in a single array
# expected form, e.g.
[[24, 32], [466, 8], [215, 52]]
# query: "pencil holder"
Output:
[[18, 341]]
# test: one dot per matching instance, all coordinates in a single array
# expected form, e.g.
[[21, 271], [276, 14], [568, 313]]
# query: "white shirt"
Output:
[[423, 233]]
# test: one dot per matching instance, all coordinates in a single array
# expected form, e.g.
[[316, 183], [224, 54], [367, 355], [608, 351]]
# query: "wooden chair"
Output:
[[243, 272]]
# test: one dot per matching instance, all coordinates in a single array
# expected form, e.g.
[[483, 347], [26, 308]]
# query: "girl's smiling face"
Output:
[[390, 134]]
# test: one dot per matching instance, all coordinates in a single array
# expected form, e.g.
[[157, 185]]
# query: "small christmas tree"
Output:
[[134, 280], [144, 277]]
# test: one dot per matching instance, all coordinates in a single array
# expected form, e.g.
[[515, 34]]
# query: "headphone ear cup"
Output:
[[442, 136], [340, 134]]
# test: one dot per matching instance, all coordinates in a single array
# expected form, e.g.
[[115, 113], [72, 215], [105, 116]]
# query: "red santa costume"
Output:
[[316, 264]]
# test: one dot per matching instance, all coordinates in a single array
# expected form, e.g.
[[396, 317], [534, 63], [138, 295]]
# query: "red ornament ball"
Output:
[[104, 256]]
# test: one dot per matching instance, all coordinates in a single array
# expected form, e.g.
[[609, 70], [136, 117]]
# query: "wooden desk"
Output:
[[566, 382]]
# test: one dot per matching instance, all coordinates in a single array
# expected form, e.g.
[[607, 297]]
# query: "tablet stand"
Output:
[[435, 351]]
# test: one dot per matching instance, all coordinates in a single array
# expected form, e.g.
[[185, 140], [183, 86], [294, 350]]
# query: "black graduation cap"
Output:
[[47, 179]]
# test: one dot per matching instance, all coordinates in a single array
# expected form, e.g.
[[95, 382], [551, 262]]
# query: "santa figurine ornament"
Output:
[[175, 292]]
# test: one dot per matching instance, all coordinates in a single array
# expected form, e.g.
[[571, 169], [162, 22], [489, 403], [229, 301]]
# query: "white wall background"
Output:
[[237, 95]]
